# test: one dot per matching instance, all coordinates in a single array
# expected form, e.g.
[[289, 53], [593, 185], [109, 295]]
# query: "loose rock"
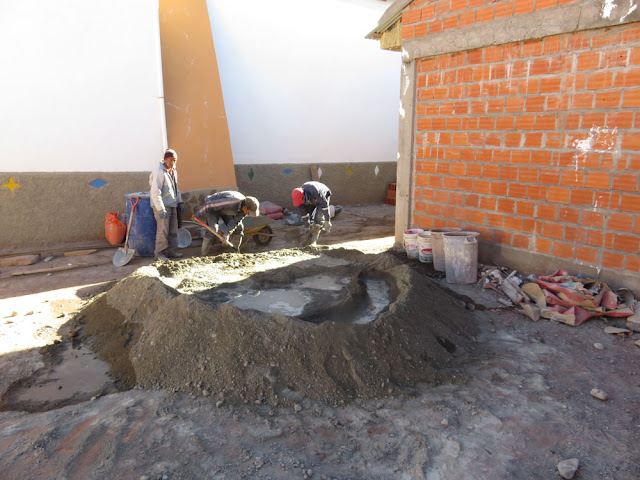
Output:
[[568, 468], [599, 394]]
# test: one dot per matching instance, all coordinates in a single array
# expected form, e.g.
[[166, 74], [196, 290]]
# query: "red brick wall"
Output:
[[425, 17], [534, 144]]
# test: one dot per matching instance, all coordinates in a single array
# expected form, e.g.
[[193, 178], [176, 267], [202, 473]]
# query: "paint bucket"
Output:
[[425, 251], [461, 252], [437, 245], [411, 242], [142, 235]]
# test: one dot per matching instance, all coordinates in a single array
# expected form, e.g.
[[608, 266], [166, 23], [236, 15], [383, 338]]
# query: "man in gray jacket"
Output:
[[166, 201]]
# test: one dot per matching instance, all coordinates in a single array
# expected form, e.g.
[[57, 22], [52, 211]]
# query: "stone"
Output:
[[568, 468], [598, 346], [19, 261], [599, 394], [297, 407]]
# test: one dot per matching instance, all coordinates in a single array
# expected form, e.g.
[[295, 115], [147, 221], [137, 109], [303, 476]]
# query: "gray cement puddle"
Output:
[[317, 298], [71, 375]]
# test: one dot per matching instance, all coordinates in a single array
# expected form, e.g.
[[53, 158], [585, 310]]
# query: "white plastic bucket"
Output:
[[411, 242], [437, 245], [425, 251], [461, 252]]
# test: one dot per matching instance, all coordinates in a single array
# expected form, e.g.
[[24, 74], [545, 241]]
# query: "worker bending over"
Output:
[[312, 198], [229, 207]]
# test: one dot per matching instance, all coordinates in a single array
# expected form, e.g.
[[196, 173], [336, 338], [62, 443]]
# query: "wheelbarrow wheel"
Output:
[[263, 236]]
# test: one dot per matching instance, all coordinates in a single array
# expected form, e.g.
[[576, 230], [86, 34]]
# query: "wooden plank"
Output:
[[79, 252], [55, 269], [314, 173], [58, 250], [19, 261]]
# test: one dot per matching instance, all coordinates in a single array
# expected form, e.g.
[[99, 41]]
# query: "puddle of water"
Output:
[[318, 299], [78, 372], [285, 302]]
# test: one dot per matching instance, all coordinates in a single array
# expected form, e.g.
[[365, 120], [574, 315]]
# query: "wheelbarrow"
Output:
[[256, 227], [259, 229]]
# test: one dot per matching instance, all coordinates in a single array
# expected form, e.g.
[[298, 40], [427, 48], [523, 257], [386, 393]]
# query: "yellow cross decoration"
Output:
[[349, 170], [11, 185]]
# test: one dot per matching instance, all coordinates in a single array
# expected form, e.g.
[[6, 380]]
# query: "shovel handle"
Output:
[[224, 242], [133, 208], [133, 205]]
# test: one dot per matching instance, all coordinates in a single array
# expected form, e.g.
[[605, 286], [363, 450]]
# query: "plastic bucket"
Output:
[[142, 236], [425, 251], [411, 242], [437, 245], [461, 252]]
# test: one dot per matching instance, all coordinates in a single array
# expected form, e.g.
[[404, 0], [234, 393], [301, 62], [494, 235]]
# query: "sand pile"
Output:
[[162, 328]]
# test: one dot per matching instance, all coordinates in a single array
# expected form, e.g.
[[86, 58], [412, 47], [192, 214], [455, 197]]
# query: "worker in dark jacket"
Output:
[[229, 207], [312, 198]]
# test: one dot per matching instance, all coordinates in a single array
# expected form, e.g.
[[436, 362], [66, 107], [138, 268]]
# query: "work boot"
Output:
[[207, 242], [314, 234], [161, 255], [174, 254]]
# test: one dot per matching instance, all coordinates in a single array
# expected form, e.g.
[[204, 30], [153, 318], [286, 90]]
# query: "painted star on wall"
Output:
[[11, 185]]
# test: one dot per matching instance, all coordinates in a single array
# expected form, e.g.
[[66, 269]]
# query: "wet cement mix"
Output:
[[330, 325]]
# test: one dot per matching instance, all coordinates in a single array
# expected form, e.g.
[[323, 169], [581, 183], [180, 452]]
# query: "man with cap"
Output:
[[312, 199], [231, 207], [166, 201]]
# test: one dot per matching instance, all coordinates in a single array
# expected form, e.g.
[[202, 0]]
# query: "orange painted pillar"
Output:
[[194, 107]]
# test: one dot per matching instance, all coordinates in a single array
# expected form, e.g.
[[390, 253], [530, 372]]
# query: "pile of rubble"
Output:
[[562, 297]]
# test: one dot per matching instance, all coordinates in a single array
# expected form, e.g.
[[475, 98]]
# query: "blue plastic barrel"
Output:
[[142, 236]]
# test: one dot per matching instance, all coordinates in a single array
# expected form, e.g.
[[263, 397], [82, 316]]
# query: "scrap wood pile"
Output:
[[563, 297]]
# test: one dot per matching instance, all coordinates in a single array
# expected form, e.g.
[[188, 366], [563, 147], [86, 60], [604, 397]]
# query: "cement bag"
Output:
[[267, 208], [114, 229]]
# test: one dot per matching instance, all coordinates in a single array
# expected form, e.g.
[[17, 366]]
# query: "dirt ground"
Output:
[[445, 383]]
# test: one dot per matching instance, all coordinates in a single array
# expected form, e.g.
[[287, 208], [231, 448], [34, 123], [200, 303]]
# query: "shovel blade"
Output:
[[123, 256]]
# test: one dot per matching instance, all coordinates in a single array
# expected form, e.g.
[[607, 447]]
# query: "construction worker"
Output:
[[312, 199], [230, 207], [166, 201]]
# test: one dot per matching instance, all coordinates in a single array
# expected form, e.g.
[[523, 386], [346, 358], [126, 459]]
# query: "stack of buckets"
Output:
[[449, 249]]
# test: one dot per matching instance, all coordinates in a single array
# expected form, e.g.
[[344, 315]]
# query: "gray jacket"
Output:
[[164, 188]]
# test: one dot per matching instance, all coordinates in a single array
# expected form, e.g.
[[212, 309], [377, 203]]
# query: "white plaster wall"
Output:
[[81, 86], [301, 84]]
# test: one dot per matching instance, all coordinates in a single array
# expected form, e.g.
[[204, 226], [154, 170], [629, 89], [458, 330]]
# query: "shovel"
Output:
[[124, 254], [222, 239]]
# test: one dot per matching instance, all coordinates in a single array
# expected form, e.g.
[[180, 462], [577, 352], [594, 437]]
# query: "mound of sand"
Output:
[[161, 328]]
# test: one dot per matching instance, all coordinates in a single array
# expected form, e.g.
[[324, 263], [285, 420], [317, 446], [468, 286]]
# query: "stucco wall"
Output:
[[350, 183], [48, 209], [57, 208]]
